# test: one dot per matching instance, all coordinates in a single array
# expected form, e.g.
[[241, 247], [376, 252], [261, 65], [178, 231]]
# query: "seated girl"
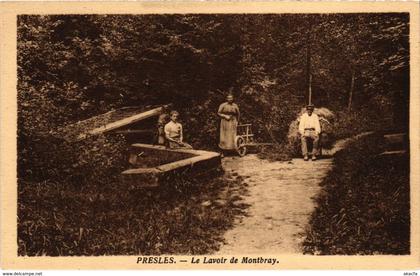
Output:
[[173, 133]]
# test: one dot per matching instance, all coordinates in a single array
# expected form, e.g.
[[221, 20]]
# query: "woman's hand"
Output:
[[228, 117]]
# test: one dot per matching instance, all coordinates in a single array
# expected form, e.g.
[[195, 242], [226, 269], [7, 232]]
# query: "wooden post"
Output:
[[308, 64], [310, 89], [247, 135], [351, 92]]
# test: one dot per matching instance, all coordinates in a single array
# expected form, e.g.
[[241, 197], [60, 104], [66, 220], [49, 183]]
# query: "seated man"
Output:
[[309, 129], [173, 133]]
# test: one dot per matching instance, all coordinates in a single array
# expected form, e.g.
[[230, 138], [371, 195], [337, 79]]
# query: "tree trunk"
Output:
[[351, 92], [308, 58], [270, 133], [310, 90]]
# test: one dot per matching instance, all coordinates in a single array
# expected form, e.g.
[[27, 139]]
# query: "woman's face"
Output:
[[229, 99]]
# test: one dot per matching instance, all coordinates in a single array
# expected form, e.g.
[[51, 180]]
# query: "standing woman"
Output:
[[229, 115]]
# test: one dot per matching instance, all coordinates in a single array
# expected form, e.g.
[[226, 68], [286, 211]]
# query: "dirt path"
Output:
[[281, 200], [281, 197]]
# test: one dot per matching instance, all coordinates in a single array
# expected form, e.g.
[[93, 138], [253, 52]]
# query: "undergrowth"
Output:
[[364, 207], [57, 219]]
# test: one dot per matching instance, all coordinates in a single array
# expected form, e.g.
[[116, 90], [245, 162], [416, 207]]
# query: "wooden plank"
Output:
[[181, 150], [149, 146], [259, 144], [141, 170], [199, 162], [395, 138], [394, 152], [247, 133], [129, 131], [126, 121]]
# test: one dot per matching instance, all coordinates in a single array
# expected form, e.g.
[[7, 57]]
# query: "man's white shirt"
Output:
[[307, 121]]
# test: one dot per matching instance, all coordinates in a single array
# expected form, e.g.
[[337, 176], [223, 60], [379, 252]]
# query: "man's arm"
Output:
[[181, 135]]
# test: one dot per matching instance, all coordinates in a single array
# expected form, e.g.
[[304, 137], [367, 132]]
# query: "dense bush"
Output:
[[56, 219], [359, 121], [364, 207], [98, 159]]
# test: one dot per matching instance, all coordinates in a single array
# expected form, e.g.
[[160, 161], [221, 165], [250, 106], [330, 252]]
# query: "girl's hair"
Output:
[[174, 112]]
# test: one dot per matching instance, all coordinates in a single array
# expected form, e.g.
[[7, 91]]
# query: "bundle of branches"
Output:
[[327, 119]]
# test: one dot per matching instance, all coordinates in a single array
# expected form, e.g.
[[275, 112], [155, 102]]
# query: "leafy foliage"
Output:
[[365, 204], [73, 67], [95, 63]]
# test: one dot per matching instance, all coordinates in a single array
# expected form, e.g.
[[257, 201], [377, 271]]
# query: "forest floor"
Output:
[[281, 198]]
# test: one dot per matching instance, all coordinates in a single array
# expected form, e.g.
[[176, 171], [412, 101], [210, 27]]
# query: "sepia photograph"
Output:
[[207, 135]]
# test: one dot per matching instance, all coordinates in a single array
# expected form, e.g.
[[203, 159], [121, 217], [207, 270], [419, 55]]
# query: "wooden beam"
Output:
[[395, 138], [134, 131], [394, 152], [126, 121], [199, 162]]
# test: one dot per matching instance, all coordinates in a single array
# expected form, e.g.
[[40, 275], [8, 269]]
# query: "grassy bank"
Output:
[[364, 206], [56, 219]]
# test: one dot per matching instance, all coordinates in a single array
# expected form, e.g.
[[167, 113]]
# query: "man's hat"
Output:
[[310, 106]]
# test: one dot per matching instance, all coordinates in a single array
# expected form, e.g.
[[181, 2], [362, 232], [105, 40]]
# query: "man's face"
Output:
[[174, 117], [310, 110]]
